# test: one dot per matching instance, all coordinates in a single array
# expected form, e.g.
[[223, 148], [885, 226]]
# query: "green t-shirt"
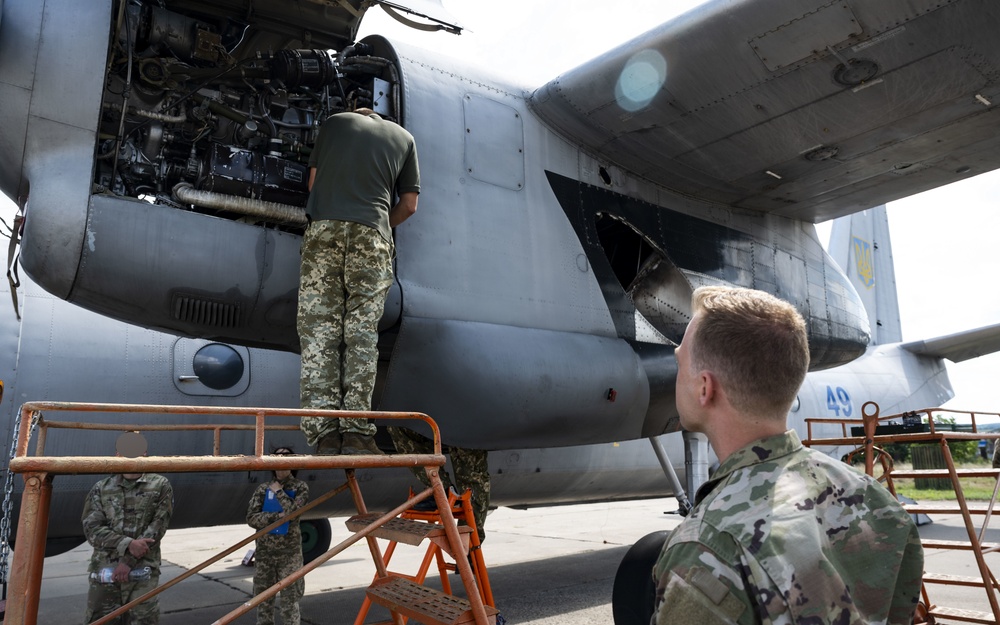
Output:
[[361, 163]]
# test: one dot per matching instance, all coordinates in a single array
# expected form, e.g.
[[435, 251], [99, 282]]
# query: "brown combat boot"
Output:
[[359, 445], [329, 445]]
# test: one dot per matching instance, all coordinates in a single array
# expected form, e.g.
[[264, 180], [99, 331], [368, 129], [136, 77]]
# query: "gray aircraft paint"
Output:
[[62, 352], [504, 322], [491, 245]]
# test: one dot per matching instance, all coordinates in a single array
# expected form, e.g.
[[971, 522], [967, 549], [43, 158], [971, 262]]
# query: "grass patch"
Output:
[[972, 492], [974, 488]]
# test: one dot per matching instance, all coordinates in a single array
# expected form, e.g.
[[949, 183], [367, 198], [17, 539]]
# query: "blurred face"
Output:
[[284, 473], [688, 386], [130, 476]]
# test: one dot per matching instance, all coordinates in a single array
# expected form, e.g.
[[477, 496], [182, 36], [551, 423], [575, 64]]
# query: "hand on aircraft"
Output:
[[121, 572], [139, 547]]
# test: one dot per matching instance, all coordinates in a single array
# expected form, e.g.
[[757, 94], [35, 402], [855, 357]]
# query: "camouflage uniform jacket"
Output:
[[784, 534], [290, 542], [118, 510]]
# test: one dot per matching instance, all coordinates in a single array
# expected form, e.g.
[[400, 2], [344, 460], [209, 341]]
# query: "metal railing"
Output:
[[39, 471], [875, 434]]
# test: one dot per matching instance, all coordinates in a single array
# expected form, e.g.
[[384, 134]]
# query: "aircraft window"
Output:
[[218, 366]]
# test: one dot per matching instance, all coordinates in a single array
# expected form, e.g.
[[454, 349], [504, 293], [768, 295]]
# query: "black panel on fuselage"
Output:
[[724, 255]]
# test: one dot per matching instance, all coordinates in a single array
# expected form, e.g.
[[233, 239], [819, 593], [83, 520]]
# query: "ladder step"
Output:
[[943, 473], [920, 508], [956, 544], [401, 530], [958, 614], [422, 604], [954, 580]]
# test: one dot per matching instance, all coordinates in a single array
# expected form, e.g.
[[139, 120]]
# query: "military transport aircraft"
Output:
[[564, 227], [58, 351], [158, 149]]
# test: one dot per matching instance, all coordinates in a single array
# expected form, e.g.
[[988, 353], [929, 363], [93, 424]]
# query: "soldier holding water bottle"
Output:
[[124, 518]]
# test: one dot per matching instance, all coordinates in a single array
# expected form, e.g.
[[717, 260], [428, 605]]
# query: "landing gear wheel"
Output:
[[634, 591], [316, 534]]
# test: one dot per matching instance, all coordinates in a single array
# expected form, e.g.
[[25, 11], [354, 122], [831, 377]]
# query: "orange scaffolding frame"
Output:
[[870, 444], [39, 471], [461, 508]]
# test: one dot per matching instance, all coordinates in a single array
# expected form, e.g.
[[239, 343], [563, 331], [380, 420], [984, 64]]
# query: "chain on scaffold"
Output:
[[8, 496]]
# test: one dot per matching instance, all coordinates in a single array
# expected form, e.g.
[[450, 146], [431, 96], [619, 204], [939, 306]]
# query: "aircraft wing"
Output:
[[960, 346], [807, 109]]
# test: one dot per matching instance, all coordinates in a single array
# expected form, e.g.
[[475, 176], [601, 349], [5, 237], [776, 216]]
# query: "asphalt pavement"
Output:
[[547, 566]]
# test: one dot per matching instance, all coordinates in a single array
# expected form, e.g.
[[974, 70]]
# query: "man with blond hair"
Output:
[[780, 533]]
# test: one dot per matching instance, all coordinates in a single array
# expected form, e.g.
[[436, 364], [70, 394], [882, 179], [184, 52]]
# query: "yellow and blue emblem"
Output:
[[864, 262]]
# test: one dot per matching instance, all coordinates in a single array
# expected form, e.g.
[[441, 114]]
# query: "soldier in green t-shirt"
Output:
[[359, 164]]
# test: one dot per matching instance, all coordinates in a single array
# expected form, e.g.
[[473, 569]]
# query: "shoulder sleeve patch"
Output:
[[700, 598], [708, 584]]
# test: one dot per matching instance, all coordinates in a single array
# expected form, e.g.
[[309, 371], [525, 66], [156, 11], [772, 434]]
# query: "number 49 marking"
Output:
[[837, 400]]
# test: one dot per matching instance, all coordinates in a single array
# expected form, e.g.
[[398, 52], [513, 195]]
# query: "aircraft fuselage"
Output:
[[539, 291]]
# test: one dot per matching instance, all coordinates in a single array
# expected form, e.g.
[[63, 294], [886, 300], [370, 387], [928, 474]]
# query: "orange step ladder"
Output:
[[876, 435], [412, 527]]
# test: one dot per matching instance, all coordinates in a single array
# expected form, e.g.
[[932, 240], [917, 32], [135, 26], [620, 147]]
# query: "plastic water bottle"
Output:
[[104, 576]]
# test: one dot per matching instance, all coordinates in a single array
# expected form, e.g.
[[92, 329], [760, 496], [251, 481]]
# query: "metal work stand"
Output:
[[403, 597], [875, 436], [412, 527]]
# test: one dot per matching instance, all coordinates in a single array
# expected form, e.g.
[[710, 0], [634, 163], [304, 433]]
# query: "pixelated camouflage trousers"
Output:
[[472, 471], [103, 599], [269, 569], [345, 275]]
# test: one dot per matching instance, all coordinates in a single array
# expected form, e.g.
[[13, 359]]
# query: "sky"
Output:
[[944, 242]]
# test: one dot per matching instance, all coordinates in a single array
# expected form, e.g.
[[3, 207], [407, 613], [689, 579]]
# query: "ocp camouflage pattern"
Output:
[[116, 511], [103, 599], [783, 534], [345, 275]]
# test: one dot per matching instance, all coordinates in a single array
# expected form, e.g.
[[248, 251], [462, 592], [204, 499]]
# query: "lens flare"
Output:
[[640, 80]]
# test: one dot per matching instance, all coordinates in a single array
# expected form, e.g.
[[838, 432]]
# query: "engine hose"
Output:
[[273, 211], [162, 117]]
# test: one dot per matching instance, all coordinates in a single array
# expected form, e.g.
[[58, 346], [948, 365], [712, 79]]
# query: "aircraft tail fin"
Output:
[[860, 244]]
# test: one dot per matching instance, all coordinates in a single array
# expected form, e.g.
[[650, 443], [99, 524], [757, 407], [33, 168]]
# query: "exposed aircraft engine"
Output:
[[185, 122]]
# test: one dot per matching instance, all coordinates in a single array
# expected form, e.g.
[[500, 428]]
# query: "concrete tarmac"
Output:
[[547, 566]]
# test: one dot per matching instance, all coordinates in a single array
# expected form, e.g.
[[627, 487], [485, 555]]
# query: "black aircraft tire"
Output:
[[316, 534], [633, 594]]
